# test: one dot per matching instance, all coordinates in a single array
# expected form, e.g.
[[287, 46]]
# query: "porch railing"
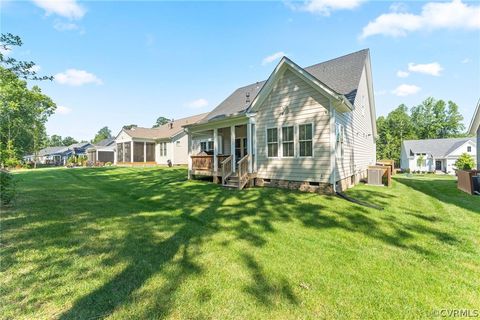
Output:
[[243, 171], [227, 169], [202, 162], [205, 162]]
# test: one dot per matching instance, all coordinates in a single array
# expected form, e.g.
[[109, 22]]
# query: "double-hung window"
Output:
[[272, 142], [305, 140], [287, 142], [163, 149], [206, 146]]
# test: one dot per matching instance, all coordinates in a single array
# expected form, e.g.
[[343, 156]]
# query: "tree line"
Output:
[[432, 119]]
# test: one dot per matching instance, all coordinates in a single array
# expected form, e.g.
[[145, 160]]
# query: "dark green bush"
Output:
[[7, 187]]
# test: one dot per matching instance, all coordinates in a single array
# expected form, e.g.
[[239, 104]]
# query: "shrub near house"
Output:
[[465, 162]]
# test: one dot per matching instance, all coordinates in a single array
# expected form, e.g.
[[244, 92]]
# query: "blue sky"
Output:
[[122, 62]]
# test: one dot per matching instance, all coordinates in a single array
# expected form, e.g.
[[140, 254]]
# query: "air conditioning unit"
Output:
[[375, 177]]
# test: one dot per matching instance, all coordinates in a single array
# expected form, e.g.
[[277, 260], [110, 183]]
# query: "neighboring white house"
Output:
[[432, 155], [137, 146], [102, 151], [303, 128], [475, 129]]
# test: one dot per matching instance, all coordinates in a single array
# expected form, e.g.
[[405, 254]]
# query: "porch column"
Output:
[[232, 147], [215, 150], [131, 151], [96, 156], [144, 151], [249, 146], [123, 151], [189, 150]]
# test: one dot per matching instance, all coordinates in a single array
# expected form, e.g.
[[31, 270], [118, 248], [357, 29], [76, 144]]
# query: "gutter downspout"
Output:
[[333, 145]]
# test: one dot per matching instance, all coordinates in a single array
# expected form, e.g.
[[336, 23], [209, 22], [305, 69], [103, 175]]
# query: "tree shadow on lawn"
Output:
[[444, 190], [147, 203]]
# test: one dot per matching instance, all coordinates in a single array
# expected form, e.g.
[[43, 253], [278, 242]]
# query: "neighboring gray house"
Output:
[[102, 151], [475, 129], [141, 146], [432, 155], [58, 155], [310, 128]]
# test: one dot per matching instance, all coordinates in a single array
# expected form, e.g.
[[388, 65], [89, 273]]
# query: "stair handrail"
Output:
[[227, 169], [243, 171]]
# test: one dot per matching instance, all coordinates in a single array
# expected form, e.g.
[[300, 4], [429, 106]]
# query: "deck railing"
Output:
[[243, 171], [202, 162], [205, 162]]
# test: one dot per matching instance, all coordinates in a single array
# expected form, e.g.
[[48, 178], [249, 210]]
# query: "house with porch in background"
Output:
[[163, 145], [58, 156], [474, 129], [102, 152], [307, 128], [435, 155]]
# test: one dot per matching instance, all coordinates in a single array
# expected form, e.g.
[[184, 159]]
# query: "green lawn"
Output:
[[126, 243]]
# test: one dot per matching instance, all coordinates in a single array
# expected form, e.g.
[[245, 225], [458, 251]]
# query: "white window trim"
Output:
[[267, 143], [206, 141], [313, 135], [294, 144]]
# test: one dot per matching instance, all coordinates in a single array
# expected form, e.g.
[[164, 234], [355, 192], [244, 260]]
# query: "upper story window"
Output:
[[287, 141], [272, 142], [469, 149], [305, 137]]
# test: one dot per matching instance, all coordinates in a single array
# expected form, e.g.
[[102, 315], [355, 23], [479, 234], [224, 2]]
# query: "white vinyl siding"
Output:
[[360, 136], [293, 102]]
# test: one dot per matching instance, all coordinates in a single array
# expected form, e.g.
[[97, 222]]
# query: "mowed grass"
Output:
[[131, 243]]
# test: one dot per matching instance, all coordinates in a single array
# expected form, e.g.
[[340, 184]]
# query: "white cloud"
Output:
[[402, 74], [442, 15], [466, 60], [432, 69], [65, 26], [405, 90], [66, 8], [325, 7], [63, 110], [198, 103], [74, 77], [273, 57]]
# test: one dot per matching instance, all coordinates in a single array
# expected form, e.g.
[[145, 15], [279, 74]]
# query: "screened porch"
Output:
[[136, 152]]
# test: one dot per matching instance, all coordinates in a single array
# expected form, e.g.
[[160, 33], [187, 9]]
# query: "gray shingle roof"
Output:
[[164, 131], [341, 74], [78, 145], [438, 148], [52, 150], [105, 142]]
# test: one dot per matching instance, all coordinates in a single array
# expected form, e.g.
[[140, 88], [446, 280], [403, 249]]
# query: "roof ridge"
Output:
[[313, 65], [338, 58]]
